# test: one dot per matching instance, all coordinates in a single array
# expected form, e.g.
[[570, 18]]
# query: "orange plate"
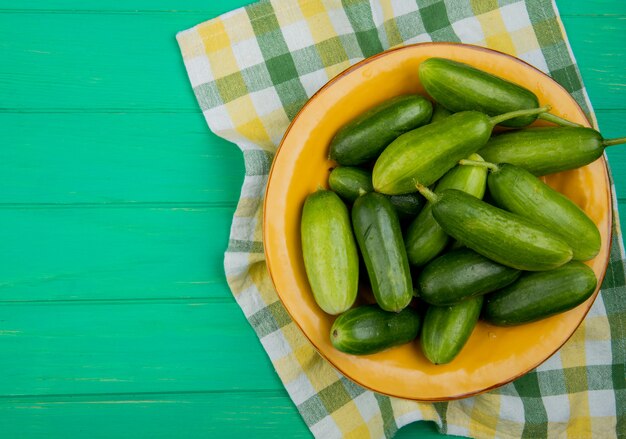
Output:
[[493, 355]]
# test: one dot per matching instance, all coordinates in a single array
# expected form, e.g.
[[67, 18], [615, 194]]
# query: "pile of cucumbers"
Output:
[[406, 201]]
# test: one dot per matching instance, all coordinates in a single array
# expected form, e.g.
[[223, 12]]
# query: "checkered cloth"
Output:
[[252, 69]]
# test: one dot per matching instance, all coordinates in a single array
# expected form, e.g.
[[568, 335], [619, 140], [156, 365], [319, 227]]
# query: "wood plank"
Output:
[[246, 414], [212, 9], [84, 253], [111, 158], [259, 415], [601, 56], [122, 253], [80, 64], [126, 61], [116, 158], [120, 347], [593, 8]]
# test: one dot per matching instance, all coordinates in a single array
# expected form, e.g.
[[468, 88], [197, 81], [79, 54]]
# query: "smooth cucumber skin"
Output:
[[364, 138], [439, 112], [425, 238], [330, 253], [446, 329], [460, 87], [538, 295], [351, 182], [518, 191], [425, 154], [368, 329], [460, 274], [501, 236], [377, 229], [407, 205], [545, 150]]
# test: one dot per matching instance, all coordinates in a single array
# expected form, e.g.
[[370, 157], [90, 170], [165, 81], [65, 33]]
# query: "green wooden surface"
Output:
[[116, 320]]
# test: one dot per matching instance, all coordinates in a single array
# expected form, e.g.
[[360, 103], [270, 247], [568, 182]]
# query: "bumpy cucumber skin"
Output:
[[378, 233], [535, 296], [518, 191], [460, 274], [351, 182], [439, 112], [329, 250], [446, 329], [460, 87], [364, 138], [425, 154], [545, 150], [368, 329], [425, 238], [501, 236]]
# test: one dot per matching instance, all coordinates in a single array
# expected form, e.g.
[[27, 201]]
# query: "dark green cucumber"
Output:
[[439, 112], [364, 138], [407, 205], [351, 182], [518, 191], [539, 295], [425, 154], [368, 329], [425, 239], [461, 87], [543, 151], [446, 329], [378, 233], [460, 274], [501, 236], [329, 249]]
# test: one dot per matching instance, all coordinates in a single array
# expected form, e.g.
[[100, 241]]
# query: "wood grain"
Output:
[[245, 414], [130, 347], [78, 63], [124, 252], [107, 158]]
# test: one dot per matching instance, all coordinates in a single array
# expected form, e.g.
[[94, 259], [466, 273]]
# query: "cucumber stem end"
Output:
[[495, 120], [491, 166], [611, 142], [427, 193], [558, 120]]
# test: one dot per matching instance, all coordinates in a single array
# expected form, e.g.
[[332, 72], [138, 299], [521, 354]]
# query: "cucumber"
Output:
[[543, 151], [425, 154], [364, 138], [378, 234], [407, 205], [439, 112], [351, 182], [446, 329], [461, 87], [535, 296], [425, 239], [330, 254], [520, 192], [501, 236], [460, 274], [368, 329]]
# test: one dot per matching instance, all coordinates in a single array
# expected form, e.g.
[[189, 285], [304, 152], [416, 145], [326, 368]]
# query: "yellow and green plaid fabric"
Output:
[[253, 68]]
